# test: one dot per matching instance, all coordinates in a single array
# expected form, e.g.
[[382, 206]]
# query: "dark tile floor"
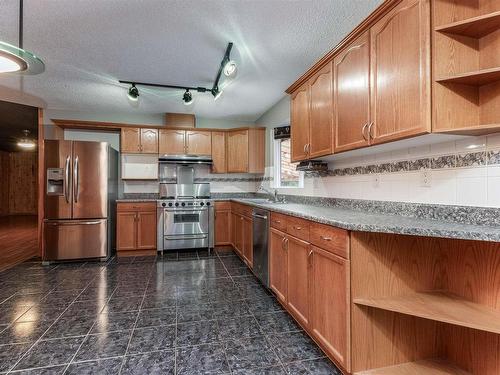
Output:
[[187, 313]]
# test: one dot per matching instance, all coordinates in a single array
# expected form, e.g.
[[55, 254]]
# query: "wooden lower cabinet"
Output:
[[237, 232], [299, 256], [330, 304], [278, 264], [136, 226], [222, 225]]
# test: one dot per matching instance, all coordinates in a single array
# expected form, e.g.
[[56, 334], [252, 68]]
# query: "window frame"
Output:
[[277, 168]]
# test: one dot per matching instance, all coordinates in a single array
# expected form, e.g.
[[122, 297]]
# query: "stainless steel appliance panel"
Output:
[[185, 242], [58, 204], [90, 180], [183, 191], [75, 239], [260, 245], [186, 222]]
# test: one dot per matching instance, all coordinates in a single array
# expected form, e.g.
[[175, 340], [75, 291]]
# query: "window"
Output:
[[285, 174]]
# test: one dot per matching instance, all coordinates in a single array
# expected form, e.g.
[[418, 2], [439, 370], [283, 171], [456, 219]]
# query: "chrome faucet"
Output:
[[272, 193]]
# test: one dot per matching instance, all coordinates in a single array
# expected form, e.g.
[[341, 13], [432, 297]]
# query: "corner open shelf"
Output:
[[475, 27], [475, 78], [424, 367], [441, 307]]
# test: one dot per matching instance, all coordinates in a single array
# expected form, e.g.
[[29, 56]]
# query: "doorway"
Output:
[[18, 183]]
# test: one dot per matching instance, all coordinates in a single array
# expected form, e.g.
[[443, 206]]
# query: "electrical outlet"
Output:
[[376, 181], [425, 178]]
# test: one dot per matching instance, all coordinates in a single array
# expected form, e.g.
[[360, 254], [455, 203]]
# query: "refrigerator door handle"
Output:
[[66, 179], [74, 222], [76, 181]]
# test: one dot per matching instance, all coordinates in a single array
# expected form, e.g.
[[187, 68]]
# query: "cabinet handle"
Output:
[[370, 130], [277, 221], [363, 131], [305, 148], [325, 238], [286, 243], [283, 243], [309, 258], [296, 227], [308, 148]]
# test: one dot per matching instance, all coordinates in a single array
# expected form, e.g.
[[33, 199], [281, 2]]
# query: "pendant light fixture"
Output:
[[15, 59], [227, 67], [26, 142]]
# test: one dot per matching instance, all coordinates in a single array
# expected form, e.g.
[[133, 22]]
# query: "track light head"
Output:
[[187, 97], [133, 93], [230, 68]]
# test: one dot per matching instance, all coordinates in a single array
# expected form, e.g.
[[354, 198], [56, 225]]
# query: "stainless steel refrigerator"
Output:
[[81, 186]]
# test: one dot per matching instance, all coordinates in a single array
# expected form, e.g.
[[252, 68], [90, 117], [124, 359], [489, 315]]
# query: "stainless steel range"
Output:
[[185, 214]]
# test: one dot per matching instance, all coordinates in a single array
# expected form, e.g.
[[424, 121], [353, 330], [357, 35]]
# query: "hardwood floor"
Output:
[[18, 239]]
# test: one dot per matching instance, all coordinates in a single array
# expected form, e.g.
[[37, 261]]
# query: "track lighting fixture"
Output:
[[187, 98], [227, 67], [15, 59], [133, 93]]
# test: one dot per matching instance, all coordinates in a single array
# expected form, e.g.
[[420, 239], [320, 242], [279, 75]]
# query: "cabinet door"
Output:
[[222, 228], [352, 95], [236, 225], [199, 142], [172, 142], [126, 230], [146, 230], [321, 113], [219, 152], [330, 302], [248, 240], [299, 258], [400, 72], [149, 141], [278, 264], [130, 140], [237, 151], [300, 123]]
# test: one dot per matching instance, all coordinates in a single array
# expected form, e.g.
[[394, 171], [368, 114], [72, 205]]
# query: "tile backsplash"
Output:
[[463, 172]]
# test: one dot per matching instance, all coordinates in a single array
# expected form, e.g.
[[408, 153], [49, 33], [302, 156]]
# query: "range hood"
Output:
[[185, 159]]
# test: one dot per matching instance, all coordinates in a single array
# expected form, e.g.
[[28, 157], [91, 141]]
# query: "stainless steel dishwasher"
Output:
[[260, 243]]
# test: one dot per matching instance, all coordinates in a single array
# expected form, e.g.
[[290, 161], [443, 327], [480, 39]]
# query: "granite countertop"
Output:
[[357, 220]]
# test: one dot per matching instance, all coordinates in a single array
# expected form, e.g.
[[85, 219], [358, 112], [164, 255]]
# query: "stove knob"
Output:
[[202, 204], [208, 203], [170, 204], [183, 204], [176, 204], [164, 204]]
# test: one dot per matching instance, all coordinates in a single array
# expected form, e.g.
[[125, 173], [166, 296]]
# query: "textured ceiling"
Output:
[[14, 118], [87, 45]]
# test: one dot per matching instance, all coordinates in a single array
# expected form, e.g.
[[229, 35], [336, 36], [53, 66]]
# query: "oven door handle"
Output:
[[185, 211], [186, 237]]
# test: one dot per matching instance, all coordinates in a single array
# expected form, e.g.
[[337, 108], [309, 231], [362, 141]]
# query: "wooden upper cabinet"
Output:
[[299, 258], [330, 304], [321, 113], [130, 140], [352, 95], [149, 141], [237, 151], [172, 142], [400, 72], [219, 152], [198, 142], [278, 264], [299, 123]]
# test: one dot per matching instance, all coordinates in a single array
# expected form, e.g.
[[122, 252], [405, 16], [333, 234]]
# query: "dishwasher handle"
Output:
[[259, 216]]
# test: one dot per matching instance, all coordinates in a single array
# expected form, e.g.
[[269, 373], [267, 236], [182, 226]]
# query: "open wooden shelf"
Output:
[[475, 78], [439, 306], [475, 27], [471, 130], [424, 367]]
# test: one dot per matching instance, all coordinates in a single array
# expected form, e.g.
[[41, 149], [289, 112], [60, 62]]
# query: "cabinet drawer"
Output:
[[279, 221], [137, 206], [330, 238], [223, 206], [298, 228], [246, 210]]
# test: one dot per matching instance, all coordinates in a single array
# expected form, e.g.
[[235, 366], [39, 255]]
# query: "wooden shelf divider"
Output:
[[423, 367], [439, 306], [475, 78], [475, 27]]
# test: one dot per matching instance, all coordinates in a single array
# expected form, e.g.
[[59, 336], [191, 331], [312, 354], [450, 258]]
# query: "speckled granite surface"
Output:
[[366, 221], [138, 197]]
